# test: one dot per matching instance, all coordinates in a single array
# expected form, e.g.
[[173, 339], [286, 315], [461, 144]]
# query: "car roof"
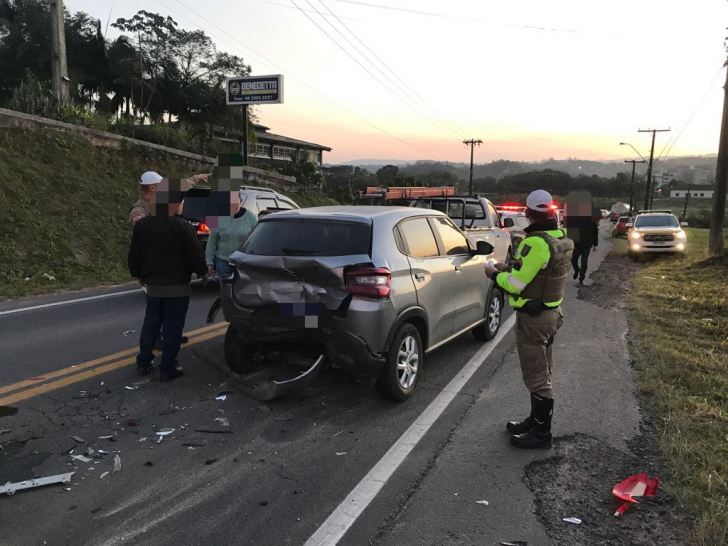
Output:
[[364, 214]]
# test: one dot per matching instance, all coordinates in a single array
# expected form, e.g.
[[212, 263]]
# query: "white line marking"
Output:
[[68, 302], [78, 300], [339, 522]]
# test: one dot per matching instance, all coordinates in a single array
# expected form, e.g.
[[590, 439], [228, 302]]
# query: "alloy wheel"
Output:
[[408, 360], [494, 314]]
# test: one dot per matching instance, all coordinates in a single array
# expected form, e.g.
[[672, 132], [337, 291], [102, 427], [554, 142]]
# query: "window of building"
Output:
[[702, 195], [282, 152], [260, 150]]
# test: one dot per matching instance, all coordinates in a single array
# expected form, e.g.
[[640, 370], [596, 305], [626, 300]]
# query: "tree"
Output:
[[387, 175]]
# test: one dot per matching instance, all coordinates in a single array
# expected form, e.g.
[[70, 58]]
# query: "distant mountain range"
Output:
[[699, 168]]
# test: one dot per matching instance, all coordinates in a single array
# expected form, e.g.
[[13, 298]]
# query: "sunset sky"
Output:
[[533, 79]]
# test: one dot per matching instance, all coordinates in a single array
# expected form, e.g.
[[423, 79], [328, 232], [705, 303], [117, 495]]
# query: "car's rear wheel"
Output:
[[403, 366], [239, 356], [487, 330]]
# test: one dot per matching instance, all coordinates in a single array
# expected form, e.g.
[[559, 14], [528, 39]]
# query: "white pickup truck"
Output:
[[477, 217]]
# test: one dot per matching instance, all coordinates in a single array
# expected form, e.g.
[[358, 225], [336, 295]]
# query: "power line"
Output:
[[288, 73], [442, 126]]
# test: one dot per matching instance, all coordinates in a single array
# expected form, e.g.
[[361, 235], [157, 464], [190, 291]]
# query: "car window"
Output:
[[657, 221], [266, 203], [494, 215], [285, 204], [452, 238], [418, 238], [522, 221], [307, 237], [623, 219]]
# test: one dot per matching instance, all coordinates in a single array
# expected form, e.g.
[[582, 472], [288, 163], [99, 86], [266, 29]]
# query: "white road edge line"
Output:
[[78, 300], [339, 522]]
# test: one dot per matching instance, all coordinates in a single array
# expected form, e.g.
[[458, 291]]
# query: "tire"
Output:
[[238, 355], [405, 356], [493, 315]]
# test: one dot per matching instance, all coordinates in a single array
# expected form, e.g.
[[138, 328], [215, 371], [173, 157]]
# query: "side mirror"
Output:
[[483, 248], [508, 222], [683, 224]]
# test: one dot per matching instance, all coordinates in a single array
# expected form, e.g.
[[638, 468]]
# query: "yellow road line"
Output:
[[97, 361], [55, 385]]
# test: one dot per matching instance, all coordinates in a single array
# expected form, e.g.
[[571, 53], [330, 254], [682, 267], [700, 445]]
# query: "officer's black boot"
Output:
[[519, 427], [540, 433]]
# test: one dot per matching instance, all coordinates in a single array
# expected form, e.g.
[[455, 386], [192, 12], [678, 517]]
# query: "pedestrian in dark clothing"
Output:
[[163, 254], [588, 241]]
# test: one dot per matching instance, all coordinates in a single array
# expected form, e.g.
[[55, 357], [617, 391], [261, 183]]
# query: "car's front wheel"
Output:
[[403, 366], [239, 356], [488, 329]]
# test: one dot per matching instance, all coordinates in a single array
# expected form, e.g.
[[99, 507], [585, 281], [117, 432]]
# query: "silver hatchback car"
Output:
[[375, 288]]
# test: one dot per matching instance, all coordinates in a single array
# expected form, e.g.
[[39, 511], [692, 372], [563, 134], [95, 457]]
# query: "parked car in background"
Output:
[[252, 198], [657, 231], [373, 288], [623, 226], [476, 217], [618, 210], [514, 218]]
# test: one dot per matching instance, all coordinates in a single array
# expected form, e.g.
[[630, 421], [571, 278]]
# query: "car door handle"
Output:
[[458, 269], [420, 277]]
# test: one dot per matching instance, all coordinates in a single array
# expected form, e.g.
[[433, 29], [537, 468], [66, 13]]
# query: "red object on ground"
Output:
[[639, 485], [37, 379]]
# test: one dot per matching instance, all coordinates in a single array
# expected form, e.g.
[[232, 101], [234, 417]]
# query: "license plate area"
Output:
[[294, 316]]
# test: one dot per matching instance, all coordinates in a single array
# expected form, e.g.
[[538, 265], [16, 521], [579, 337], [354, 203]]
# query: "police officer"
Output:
[[536, 283], [147, 186]]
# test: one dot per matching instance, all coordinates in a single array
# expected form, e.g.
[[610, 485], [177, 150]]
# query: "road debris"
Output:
[[78, 439], [37, 379], [283, 417], [222, 397], [337, 434], [575, 521], [210, 461], [263, 503], [483, 502], [211, 431], [143, 439], [149, 463], [103, 475], [340, 453], [132, 388], [224, 422], [638, 485], [515, 543], [81, 458], [11, 488], [264, 408], [117, 463], [129, 332], [4, 431], [194, 444], [107, 437], [165, 432], [7, 411], [48, 277]]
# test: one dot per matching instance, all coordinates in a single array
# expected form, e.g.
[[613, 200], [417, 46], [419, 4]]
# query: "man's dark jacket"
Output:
[[165, 251]]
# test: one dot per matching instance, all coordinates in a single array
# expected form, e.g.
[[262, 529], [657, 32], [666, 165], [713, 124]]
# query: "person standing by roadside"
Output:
[[587, 242], [163, 254], [148, 186], [225, 240], [536, 284]]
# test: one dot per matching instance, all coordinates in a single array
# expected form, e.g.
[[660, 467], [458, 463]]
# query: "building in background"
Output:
[[273, 149], [697, 192]]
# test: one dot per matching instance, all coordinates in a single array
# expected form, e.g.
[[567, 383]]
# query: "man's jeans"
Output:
[[583, 252], [167, 314], [221, 268]]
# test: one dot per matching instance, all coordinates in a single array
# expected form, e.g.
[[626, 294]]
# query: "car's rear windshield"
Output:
[[623, 219], [286, 237], [657, 221]]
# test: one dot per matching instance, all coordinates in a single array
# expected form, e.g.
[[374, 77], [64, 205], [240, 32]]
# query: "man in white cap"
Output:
[[536, 282], [147, 186]]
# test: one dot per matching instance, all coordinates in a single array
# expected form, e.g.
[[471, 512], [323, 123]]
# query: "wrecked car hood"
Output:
[[266, 280]]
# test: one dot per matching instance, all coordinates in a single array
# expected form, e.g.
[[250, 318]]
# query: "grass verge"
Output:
[[679, 328]]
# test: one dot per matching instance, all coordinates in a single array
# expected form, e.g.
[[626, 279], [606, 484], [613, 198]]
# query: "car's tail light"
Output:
[[202, 228], [374, 282]]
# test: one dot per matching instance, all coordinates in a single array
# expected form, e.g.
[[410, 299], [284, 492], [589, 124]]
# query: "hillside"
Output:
[[65, 206]]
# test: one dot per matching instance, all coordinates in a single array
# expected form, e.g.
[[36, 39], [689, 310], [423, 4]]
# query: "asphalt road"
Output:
[[333, 461]]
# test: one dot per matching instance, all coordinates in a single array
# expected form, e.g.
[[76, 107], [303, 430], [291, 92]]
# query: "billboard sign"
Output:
[[254, 90]]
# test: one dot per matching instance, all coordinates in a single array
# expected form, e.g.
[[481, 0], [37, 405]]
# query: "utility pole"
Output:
[[685, 208], [648, 193], [631, 190], [715, 240], [652, 193], [472, 144], [59, 68]]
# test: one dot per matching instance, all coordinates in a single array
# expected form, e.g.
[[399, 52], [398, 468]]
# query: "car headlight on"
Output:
[[636, 247], [635, 235], [680, 234]]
